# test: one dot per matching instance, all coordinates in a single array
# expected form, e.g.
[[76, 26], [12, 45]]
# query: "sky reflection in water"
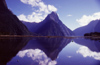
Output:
[[79, 52]]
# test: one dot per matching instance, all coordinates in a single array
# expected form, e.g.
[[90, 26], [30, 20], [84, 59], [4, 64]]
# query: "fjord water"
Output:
[[49, 51]]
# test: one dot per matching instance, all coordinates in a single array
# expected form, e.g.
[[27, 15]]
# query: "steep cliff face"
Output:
[[53, 16], [9, 23], [51, 26]]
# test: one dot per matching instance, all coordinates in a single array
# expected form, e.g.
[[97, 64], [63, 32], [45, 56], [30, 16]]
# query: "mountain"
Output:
[[32, 27], [93, 26], [51, 26], [9, 23], [50, 46], [97, 27]]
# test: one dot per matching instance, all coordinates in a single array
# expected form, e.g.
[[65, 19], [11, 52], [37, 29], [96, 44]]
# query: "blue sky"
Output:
[[73, 13]]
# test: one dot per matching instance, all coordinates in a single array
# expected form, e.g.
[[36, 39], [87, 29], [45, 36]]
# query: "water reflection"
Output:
[[9, 47], [37, 56], [86, 52], [50, 51], [50, 46], [40, 51], [91, 44], [90, 48]]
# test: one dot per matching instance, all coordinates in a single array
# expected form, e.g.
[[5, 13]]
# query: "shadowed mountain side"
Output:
[[91, 44], [51, 25], [53, 17], [3, 5], [50, 28], [97, 27], [93, 26], [9, 47], [51, 46], [32, 27], [9, 23]]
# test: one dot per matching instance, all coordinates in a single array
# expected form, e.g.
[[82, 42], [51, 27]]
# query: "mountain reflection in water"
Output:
[[9, 47], [93, 45], [44, 50], [49, 51]]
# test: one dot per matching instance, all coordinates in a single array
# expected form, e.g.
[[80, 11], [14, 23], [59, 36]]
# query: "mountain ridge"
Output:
[[9, 23], [93, 26], [50, 19]]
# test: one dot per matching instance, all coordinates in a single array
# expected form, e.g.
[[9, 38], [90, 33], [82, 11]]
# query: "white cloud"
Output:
[[84, 20], [22, 17], [86, 52], [37, 56], [38, 14], [69, 15], [31, 2], [52, 63], [52, 8]]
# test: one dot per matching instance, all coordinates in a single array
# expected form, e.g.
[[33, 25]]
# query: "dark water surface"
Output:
[[49, 51]]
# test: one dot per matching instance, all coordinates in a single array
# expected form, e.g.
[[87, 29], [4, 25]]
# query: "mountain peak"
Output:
[[53, 16], [53, 13]]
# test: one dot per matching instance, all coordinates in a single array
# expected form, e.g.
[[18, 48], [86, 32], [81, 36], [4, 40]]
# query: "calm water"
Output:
[[49, 51]]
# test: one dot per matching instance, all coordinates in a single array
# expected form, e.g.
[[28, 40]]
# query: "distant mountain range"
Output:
[[93, 26], [50, 26]]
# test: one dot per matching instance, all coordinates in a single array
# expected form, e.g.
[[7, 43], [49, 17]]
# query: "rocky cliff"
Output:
[[9, 23]]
